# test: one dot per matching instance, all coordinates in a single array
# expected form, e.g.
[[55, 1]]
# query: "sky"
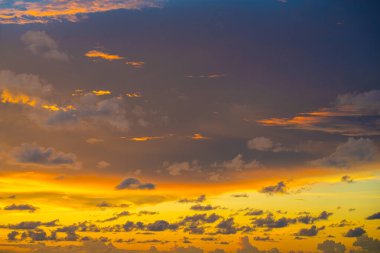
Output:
[[189, 126]]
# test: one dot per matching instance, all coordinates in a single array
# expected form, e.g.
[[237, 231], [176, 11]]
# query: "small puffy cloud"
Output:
[[375, 216], [227, 227], [135, 64], [39, 155], [40, 43], [355, 232], [199, 199], [271, 222], [352, 152], [279, 188], [329, 246], [102, 164], [176, 169], [21, 207], [134, 184], [266, 144], [312, 231], [101, 92], [347, 179], [203, 207], [246, 247]]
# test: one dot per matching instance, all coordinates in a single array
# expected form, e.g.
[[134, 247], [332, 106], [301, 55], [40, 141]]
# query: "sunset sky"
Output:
[[189, 126]]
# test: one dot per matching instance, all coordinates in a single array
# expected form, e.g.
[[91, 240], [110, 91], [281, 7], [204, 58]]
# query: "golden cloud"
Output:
[[103, 55], [44, 11]]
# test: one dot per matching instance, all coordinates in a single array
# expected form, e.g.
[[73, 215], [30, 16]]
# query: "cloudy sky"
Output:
[[189, 126]]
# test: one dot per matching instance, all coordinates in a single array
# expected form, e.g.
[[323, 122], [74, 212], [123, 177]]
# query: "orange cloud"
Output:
[[27, 12], [101, 92], [144, 138], [199, 137], [8, 97], [103, 55]]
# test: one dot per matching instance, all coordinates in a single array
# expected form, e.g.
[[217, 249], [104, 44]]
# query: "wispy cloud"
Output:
[[354, 114], [44, 11]]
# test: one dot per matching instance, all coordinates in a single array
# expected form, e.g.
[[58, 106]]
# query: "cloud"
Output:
[[25, 225], [347, 179], [117, 216], [203, 208], [134, 184], [102, 164], [103, 55], [367, 244], [246, 247], [227, 227], [307, 219], [40, 43], [206, 76], [21, 207], [101, 92], [136, 64], [266, 144], [199, 199], [271, 222], [350, 153], [23, 84], [312, 231], [375, 216], [28, 12], [329, 246], [177, 169], [39, 155], [355, 232], [198, 136], [94, 140], [279, 188], [353, 114], [88, 111]]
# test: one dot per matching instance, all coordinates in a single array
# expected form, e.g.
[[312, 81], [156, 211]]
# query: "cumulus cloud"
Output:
[[367, 244], [21, 207], [329, 246], [352, 152], [375, 216], [26, 84], [40, 43], [355, 232], [134, 184], [247, 247], [353, 114], [39, 155], [27, 12], [279, 188], [312, 231], [271, 222]]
